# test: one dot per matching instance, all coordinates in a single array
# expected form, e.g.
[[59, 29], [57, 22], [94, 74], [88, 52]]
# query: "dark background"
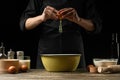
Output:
[[95, 46]]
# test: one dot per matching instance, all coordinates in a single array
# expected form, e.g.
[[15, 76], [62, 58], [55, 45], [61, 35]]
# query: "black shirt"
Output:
[[70, 41]]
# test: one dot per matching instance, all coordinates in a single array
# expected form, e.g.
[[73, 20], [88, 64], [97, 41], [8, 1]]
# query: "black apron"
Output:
[[53, 42]]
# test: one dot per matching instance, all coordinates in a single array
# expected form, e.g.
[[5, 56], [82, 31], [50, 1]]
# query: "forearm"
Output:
[[33, 22], [85, 23]]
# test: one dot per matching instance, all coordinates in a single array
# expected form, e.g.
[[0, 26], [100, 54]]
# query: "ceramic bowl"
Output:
[[104, 62], [60, 62], [6, 63]]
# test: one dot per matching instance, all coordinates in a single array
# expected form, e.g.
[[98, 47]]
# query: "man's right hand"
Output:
[[49, 13]]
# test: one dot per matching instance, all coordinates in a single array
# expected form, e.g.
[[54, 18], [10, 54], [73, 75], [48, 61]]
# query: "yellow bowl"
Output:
[[60, 62]]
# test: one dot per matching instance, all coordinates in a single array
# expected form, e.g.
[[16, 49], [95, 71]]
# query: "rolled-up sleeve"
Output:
[[92, 13], [30, 11]]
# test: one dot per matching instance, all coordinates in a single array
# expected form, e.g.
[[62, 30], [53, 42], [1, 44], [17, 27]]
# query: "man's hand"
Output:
[[69, 14], [49, 13]]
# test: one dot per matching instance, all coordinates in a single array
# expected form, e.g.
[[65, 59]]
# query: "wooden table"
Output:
[[41, 74]]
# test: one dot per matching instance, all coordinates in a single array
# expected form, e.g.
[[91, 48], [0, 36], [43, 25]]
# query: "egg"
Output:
[[23, 68], [12, 70], [92, 68]]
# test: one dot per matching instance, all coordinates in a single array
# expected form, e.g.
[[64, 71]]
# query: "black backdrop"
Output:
[[95, 46]]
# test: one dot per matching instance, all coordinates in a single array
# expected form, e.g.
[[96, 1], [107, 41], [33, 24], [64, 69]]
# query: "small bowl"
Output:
[[60, 62], [104, 62], [6, 63]]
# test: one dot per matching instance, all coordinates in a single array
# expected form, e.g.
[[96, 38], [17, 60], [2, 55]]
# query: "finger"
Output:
[[65, 10], [62, 10], [70, 13], [52, 9], [51, 14], [55, 17]]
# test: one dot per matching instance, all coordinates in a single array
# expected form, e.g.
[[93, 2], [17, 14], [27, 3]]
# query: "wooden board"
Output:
[[41, 74]]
